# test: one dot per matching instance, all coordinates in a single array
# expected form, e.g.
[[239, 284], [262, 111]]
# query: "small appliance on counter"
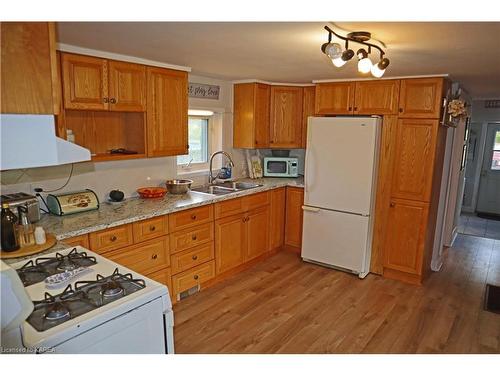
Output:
[[281, 166], [72, 202], [22, 199]]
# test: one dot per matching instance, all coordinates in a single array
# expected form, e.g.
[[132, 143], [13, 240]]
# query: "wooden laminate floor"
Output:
[[283, 305]]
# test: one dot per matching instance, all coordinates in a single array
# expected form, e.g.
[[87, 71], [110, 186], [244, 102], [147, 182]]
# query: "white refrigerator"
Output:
[[340, 182]]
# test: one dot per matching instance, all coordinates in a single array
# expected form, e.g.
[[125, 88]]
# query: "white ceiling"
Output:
[[290, 52]]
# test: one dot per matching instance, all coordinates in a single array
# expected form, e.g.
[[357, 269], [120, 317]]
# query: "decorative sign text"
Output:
[[200, 90]]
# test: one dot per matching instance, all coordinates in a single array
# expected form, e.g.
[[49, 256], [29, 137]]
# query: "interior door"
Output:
[[489, 185]]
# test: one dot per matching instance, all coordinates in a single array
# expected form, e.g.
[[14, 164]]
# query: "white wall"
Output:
[[128, 175]]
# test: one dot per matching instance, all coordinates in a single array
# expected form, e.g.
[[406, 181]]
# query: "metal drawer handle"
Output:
[[194, 257], [193, 217], [154, 256], [152, 228], [195, 277], [112, 238], [193, 237]]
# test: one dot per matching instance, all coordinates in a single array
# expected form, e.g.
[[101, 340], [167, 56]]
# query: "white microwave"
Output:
[[281, 167]]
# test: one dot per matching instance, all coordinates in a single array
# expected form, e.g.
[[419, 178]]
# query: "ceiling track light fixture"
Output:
[[340, 57]]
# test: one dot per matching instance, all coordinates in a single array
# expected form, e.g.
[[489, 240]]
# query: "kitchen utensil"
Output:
[[178, 186], [72, 202], [151, 192]]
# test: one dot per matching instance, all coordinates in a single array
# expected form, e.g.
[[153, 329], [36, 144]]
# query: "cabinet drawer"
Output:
[[164, 277], [229, 207], [144, 258], [190, 218], [151, 228], [82, 240], [191, 237], [190, 258], [111, 239], [256, 200], [195, 276]]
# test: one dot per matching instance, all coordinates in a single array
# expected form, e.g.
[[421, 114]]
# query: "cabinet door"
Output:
[[421, 98], [257, 232], [286, 117], [414, 159], [262, 115], [85, 82], [293, 223], [230, 242], [167, 112], [307, 110], [29, 79], [334, 98], [277, 225], [405, 239], [377, 97], [127, 86]]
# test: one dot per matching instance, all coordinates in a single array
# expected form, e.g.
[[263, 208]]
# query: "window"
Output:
[[198, 141], [495, 160]]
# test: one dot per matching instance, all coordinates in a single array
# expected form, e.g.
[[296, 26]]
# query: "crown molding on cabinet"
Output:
[[116, 56], [444, 75], [254, 80]]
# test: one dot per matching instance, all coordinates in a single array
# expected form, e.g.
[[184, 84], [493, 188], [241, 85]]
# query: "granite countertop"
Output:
[[135, 209]]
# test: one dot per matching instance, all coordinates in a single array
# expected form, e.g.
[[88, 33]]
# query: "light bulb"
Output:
[[364, 65], [338, 62], [333, 50], [378, 69]]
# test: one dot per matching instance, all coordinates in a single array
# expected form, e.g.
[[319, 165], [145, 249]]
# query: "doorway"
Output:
[[488, 200]]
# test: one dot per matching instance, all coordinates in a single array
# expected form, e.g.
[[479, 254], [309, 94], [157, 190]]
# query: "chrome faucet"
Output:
[[211, 178]]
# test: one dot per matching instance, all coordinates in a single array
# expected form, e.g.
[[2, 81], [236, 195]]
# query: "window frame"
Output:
[[198, 166]]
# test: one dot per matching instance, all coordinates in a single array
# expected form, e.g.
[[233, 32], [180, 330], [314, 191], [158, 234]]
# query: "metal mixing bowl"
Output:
[[178, 186]]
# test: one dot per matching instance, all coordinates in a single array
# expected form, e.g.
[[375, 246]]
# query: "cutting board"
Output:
[[29, 250]]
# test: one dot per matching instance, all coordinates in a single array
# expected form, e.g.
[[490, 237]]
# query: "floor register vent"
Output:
[[189, 292]]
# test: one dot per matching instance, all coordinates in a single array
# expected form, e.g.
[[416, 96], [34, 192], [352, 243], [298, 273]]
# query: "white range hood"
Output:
[[29, 141]]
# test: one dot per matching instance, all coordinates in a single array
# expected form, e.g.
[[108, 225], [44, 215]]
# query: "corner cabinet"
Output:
[[286, 117], [167, 112]]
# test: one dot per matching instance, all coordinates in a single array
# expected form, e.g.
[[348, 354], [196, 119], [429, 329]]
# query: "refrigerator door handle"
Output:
[[310, 209], [309, 174]]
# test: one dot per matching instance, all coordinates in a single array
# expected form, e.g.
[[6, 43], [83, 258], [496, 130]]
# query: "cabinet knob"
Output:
[[194, 257], [193, 237], [105, 100], [392, 204], [187, 147], [154, 256], [355, 108], [195, 277], [112, 100], [350, 108], [400, 110], [152, 228], [112, 238], [193, 217]]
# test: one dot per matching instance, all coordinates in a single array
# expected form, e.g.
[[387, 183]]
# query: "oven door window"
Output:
[[276, 167]]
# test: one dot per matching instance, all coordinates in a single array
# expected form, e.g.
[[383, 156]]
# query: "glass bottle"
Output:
[[26, 230], [10, 239]]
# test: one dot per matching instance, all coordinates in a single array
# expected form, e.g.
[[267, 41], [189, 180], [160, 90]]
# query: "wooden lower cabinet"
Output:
[[294, 214], [257, 223], [230, 242], [164, 277], [82, 240], [190, 258], [405, 237], [192, 277], [277, 218]]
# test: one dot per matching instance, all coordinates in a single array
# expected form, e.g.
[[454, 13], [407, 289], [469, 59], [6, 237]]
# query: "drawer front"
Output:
[[144, 258], [164, 277], [256, 200], [190, 218], [190, 258], [191, 237], [111, 239], [82, 240], [151, 228], [195, 276], [228, 208]]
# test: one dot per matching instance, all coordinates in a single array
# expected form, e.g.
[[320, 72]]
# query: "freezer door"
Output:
[[337, 239], [340, 163]]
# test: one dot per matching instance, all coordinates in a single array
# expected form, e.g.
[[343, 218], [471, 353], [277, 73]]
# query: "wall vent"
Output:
[[492, 104]]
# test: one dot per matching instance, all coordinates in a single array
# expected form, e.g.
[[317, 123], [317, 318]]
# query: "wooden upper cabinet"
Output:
[[167, 112], [335, 98], [286, 117], [307, 110], [405, 241], [251, 115], [29, 78], [85, 82], [421, 98], [376, 97], [127, 86], [414, 159]]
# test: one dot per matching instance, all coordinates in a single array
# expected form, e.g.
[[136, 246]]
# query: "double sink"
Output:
[[223, 188]]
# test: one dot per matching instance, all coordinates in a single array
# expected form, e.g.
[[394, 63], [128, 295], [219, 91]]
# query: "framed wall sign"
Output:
[[200, 90]]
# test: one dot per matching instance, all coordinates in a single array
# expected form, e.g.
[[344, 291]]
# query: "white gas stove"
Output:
[[107, 308]]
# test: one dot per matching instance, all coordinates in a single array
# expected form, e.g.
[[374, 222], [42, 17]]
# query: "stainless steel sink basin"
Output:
[[224, 188]]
